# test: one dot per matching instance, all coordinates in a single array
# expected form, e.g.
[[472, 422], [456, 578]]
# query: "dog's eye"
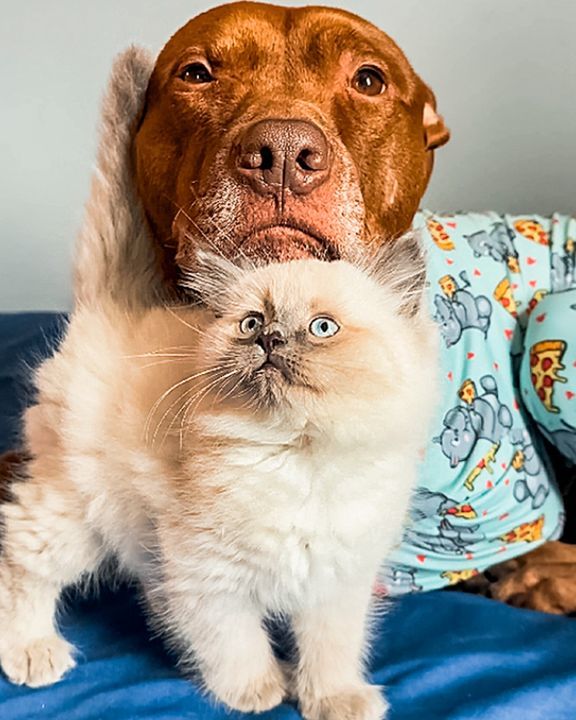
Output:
[[369, 81], [196, 73], [323, 327], [251, 323]]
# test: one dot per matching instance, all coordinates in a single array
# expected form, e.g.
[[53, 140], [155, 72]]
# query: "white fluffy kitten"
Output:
[[251, 456]]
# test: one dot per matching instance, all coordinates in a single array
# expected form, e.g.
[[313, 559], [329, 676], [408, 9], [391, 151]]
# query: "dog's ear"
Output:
[[400, 266], [209, 279], [436, 133]]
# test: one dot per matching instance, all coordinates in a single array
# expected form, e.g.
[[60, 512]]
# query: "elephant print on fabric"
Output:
[[502, 291], [454, 531], [477, 417], [458, 309], [534, 485], [398, 580], [563, 273], [497, 244]]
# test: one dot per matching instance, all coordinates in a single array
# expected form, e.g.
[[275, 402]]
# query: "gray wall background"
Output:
[[504, 72]]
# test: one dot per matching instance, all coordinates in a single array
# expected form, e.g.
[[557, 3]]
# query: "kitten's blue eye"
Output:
[[323, 327], [251, 323]]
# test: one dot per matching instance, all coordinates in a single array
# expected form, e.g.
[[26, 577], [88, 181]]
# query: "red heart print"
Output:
[[569, 394], [470, 355], [530, 261], [421, 558], [540, 318], [450, 375], [532, 283], [477, 272], [380, 590], [450, 261], [508, 334], [451, 224]]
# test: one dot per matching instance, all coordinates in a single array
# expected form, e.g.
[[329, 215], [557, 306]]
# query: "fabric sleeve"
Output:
[[548, 369]]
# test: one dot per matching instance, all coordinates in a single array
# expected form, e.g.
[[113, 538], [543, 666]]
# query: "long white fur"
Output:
[[228, 512]]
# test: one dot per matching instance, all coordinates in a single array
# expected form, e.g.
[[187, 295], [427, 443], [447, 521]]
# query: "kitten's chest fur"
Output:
[[301, 517]]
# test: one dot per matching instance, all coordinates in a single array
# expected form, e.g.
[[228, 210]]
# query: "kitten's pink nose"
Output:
[[270, 341]]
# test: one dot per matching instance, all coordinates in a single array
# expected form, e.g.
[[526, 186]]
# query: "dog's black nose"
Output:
[[278, 155], [270, 341]]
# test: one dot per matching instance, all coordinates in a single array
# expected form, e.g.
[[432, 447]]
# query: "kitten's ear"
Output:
[[400, 265], [210, 279]]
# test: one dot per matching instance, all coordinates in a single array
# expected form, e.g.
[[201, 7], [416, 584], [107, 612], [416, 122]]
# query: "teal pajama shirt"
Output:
[[502, 290]]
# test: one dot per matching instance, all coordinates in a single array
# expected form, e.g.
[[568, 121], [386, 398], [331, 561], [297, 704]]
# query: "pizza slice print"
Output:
[[503, 295], [532, 230], [545, 366], [526, 532], [439, 235]]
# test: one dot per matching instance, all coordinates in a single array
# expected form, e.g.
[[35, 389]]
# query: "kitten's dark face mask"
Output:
[[273, 350]]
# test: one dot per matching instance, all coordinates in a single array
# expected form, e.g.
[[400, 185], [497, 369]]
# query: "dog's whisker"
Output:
[[227, 235]]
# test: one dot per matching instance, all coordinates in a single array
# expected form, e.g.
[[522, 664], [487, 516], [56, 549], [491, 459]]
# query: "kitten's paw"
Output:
[[255, 694], [39, 663], [362, 703]]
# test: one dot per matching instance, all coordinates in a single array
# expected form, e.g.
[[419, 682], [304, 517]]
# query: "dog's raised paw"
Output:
[[362, 703], [41, 662]]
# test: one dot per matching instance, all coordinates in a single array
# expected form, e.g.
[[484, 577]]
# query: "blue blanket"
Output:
[[441, 655]]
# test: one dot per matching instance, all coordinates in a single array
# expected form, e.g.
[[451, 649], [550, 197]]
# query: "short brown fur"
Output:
[[275, 62]]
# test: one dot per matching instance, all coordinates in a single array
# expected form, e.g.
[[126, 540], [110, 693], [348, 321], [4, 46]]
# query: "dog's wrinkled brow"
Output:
[[244, 41]]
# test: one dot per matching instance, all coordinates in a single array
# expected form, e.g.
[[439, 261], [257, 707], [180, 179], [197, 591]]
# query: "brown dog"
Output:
[[281, 132], [544, 579]]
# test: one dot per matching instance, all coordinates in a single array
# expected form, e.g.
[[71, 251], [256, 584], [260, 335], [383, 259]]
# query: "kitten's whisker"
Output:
[[207, 388], [189, 281], [160, 351], [186, 324], [167, 412], [171, 389], [161, 358], [169, 409], [175, 358], [161, 420], [165, 361], [197, 399], [230, 392], [156, 355]]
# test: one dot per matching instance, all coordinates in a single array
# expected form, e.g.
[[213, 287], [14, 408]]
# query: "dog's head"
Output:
[[282, 132]]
